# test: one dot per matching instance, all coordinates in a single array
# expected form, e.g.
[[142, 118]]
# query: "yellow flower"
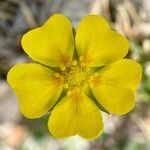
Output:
[[72, 68]]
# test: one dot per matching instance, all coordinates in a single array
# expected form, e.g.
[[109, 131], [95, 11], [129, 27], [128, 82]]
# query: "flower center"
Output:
[[75, 75]]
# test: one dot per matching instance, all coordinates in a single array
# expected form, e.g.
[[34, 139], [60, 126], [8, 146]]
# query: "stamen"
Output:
[[91, 79], [95, 74], [62, 67], [69, 93], [94, 79], [81, 58], [74, 62], [83, 64], [61, 78], [78, 89], [74, 75], [57, 75], [66, 85]]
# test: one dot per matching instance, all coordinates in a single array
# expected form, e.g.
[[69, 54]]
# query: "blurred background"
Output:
[[129, 17]]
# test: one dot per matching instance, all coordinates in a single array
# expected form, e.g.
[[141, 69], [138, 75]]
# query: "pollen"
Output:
[[66, 85], [57, 75], [62, 67]]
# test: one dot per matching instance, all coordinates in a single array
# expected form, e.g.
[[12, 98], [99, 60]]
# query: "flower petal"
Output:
[[115, 85], [36, 87], [97, 44], [51, 44], [75, 114]]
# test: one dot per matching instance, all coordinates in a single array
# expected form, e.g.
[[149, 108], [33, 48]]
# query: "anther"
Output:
[[61, 78], [69, 93], [56, 75], [81, 58], [95, 74], [74, 62], [87, 69], [83, 64], [66, 85], [78, 90], [62, 67], [91, 79]]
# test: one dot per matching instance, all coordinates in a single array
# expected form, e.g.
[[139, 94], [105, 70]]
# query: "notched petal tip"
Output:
[[36, 87], [71, 117], [98, 43], [45, 46], [122, 79]]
